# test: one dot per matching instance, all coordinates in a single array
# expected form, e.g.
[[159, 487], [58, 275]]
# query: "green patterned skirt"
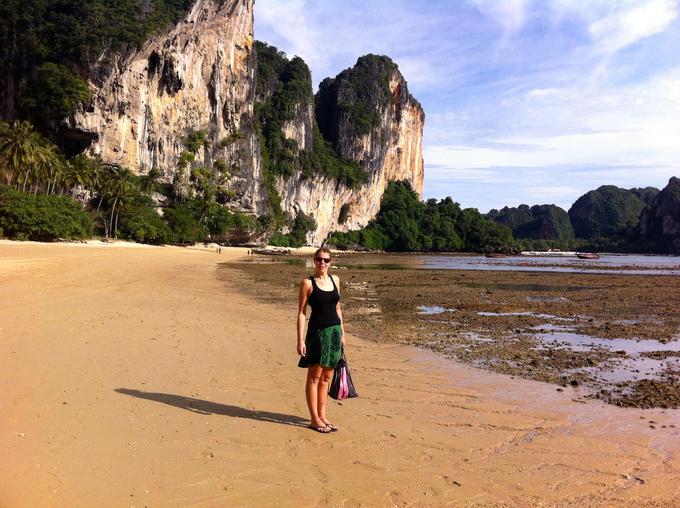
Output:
[[324, 346]]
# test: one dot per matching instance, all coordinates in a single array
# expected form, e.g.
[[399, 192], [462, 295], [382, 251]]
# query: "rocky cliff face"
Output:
[[197, 77], [202, 76], [368, 115], [660, 222]]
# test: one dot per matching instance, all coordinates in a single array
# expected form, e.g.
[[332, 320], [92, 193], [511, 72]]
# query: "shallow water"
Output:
[[581, 342], [625, 264], [527, 313], [435, 309], [635, 369], [608, 263], [479, 317]]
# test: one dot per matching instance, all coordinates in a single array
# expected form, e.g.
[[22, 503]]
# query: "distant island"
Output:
[[605, 219]]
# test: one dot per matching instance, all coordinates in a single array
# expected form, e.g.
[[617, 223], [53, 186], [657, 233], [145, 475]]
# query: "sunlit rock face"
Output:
[[201, 76], [198, 76], [385, 138]]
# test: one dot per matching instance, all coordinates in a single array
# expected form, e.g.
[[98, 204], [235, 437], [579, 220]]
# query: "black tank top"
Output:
[[323, 306]]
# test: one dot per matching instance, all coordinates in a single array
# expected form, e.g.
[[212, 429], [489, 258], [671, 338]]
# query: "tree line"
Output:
[[40, 186], [404, 223]]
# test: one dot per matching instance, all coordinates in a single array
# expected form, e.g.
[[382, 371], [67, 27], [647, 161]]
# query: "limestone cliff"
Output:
[[369, 117], [197, 77], [324, 156]]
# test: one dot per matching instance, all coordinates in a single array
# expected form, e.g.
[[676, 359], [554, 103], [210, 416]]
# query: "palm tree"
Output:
[[78, 172], [20, 149], [149, 182], [46, 169], [122, 184], [99, 178]]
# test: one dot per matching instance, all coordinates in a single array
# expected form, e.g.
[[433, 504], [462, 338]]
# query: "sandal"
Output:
[[331, 427], [323, 429]]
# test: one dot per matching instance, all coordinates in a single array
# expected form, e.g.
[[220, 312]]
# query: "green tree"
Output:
[[184, 225], [52, 93], [139, 221], [121, 186], [41, 218], [78, 172], [21, 148], [404, 223], [149, 183]]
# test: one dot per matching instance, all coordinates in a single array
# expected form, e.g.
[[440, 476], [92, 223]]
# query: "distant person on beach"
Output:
[[321, 348]]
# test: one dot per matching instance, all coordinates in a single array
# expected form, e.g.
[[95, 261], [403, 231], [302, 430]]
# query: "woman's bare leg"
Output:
[[322, 393], [314, 375]]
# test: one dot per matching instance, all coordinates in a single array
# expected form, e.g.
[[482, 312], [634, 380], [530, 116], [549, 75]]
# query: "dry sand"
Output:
[[135, 377]]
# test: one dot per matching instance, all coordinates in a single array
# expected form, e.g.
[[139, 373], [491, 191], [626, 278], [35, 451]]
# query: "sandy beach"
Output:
[[139, 377]]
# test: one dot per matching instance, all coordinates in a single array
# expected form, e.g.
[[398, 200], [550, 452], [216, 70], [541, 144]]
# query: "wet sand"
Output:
[[149, 377]]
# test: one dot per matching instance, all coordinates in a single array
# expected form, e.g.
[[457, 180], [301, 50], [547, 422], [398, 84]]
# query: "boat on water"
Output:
[[553, 253], [495, 255], [587, 255]]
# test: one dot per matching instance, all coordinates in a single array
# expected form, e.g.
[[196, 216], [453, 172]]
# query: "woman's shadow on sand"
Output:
[[206, 407]]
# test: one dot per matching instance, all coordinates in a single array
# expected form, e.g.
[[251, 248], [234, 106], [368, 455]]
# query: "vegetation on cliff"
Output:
[[284, 92], [660, 222], [355, 97], [48, 47], [646, 194], [540, 222], [605, 211]]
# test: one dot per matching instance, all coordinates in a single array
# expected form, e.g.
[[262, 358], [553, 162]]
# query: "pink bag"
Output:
[[342, 387]]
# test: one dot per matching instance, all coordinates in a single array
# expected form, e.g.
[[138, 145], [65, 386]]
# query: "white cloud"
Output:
[[629, 23], [548, 194], [509, 14], [287, 20]]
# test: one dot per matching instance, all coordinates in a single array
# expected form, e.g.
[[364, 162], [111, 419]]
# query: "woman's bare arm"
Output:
[[305, 289], [339, 310]]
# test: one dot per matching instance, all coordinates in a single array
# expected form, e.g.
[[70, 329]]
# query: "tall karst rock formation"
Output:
[[202, 75], [369, 117], [197, 77]]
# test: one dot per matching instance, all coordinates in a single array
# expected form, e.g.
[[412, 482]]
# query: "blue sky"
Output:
[[532, 102]]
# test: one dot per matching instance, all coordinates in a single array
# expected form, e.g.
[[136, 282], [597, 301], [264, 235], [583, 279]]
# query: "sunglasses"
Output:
[[323, 260]]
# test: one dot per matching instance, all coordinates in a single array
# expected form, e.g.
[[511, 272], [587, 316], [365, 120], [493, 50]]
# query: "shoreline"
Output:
[[142, 362]]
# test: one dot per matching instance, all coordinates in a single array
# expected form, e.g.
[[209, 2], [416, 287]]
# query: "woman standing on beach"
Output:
[[320, 350]]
